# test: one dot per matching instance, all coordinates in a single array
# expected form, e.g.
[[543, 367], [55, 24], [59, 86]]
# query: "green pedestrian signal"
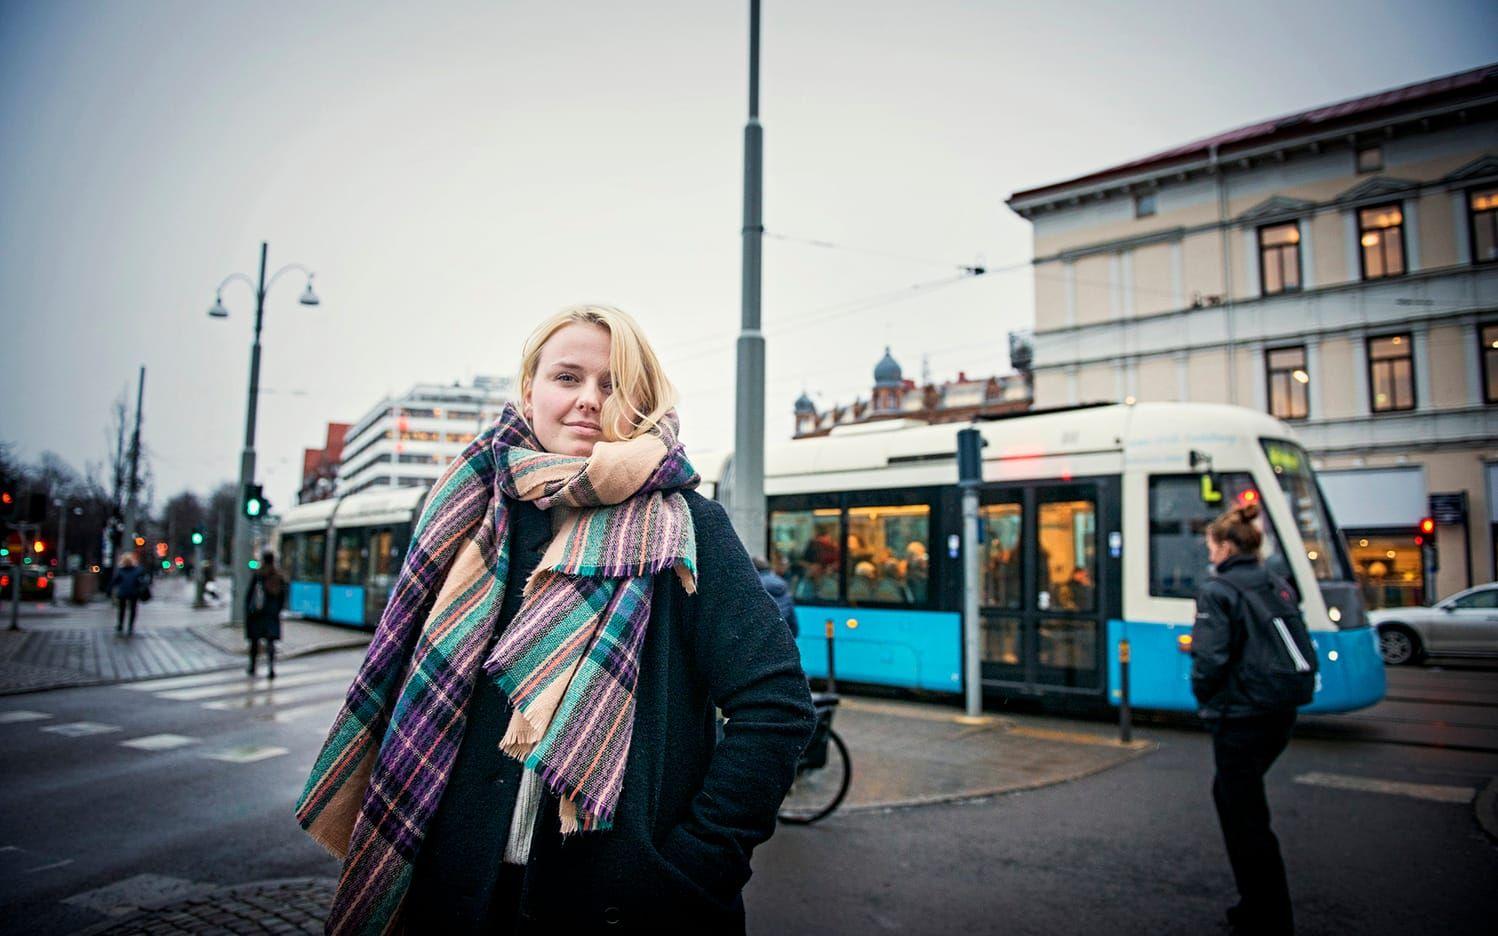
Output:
[[254, 501]]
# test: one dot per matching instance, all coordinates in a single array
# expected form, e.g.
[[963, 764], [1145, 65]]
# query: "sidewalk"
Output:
[[67, 645]]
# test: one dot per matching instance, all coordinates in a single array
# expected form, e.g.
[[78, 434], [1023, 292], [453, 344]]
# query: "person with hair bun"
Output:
[[1240, 673], [531, 744]]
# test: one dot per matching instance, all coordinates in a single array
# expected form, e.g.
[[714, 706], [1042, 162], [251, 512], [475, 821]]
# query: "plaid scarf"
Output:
[[568, 661]]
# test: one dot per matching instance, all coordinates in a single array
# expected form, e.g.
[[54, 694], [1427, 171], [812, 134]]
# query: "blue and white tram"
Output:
[[1091, 521], [343, 555]]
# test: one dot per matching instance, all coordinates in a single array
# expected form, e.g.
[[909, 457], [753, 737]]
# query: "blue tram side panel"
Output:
[[346, 604], [305, 598], [889, 647], [1350, 672]]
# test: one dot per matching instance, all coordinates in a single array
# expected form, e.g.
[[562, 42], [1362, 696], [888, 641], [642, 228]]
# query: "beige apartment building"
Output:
[[1337, 268]]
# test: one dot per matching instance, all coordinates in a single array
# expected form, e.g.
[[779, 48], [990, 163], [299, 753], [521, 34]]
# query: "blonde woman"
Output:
[[128, 584], [531, 739]]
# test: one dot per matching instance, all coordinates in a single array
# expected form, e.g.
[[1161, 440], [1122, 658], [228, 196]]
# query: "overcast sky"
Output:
[[456, 171]]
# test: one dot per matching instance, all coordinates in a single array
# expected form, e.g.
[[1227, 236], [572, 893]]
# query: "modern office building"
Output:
[[1337, 267], [407, 441]]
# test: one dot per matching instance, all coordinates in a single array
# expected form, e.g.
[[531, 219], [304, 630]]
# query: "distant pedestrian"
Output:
[[1252, 665], [780, 591], [128, 586], [262, 618]]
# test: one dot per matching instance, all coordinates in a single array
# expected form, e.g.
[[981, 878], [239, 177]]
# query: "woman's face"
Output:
[[565, 398]]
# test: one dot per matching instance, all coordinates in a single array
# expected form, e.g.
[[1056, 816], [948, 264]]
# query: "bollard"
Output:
[[831, 667], [1125, 726]]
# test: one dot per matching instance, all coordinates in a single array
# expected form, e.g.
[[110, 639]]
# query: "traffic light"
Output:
[[197, 537], [254, 501], [7, 506]]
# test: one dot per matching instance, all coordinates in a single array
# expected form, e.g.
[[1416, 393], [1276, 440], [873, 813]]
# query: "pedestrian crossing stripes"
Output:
[[11, 718], [1427, 791], [81, 729], [198, 693], [159, 742]]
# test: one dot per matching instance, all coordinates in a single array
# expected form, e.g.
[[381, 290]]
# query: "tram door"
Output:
[[1042, 591]]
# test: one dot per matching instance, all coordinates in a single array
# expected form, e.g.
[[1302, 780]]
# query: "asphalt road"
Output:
[[121, 795]]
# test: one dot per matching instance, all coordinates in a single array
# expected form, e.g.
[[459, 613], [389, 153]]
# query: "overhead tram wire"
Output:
[[714, 345]]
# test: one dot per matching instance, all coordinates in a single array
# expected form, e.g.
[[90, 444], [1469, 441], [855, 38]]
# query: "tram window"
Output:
[[290, 558], [1292, 466], [348, 558], [310, 557], [804, 550], [1067, 554], [1178, 529], [1003, 565], [887, 560]]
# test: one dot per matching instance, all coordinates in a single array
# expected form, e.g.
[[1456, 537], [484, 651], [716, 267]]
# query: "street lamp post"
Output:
[[239, 561]]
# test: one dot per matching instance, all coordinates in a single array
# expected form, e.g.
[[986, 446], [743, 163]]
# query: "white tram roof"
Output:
[[382, 505], [1094, 440]]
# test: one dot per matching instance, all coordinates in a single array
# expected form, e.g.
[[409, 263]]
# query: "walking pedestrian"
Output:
[[1252, 665], [264, 600], [129, 585], [778, 589], [530, 741]]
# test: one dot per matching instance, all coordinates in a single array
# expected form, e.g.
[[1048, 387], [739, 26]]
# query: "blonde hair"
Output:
[[641, 396], [129, 559]]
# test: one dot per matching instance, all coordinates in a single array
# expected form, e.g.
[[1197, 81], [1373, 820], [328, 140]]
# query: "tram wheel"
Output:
[[817, 792]]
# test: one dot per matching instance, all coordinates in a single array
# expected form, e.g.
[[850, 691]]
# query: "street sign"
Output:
[[1449, 509]]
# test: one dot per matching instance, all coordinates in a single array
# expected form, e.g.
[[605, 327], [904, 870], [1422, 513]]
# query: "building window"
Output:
[[1289, 382], [1381, 234], [1483, 206], [1144, 204], [1391, 373], [1489, 334], [1370, 158], [1279, 258]]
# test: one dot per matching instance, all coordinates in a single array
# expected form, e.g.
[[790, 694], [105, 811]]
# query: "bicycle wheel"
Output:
[[818, 791]]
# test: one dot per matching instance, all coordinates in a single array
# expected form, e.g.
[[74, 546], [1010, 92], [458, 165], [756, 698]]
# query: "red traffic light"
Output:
[[1427, 526]]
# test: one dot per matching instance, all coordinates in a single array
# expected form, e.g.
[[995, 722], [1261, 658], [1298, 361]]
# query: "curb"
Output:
[[1487, 809], [254, 907]]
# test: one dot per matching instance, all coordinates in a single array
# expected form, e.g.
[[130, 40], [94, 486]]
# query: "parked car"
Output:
[[1464, 625]]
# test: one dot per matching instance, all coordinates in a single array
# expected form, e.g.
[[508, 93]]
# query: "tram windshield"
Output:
[[1292, 467]]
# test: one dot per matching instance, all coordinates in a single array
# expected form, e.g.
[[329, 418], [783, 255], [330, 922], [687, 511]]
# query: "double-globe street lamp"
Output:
[[239, 558]]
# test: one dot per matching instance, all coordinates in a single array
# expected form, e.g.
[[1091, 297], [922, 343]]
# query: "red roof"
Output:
[[1461, 85]]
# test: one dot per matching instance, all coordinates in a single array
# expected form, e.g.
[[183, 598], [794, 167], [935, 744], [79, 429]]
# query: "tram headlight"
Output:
[[1183, 643], [1335, 613]]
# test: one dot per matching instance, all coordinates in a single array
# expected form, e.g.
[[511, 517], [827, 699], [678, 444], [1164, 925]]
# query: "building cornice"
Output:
[[1115, 183]]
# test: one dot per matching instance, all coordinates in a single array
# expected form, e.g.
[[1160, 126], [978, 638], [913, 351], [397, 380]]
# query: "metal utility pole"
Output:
[[239, 559], [749, 424], [130, 500], [970, 444]]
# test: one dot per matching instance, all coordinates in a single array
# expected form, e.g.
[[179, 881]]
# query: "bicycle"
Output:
[[823, 772]]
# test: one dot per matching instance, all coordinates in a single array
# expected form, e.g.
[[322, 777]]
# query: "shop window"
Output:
[[1388, 569]]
